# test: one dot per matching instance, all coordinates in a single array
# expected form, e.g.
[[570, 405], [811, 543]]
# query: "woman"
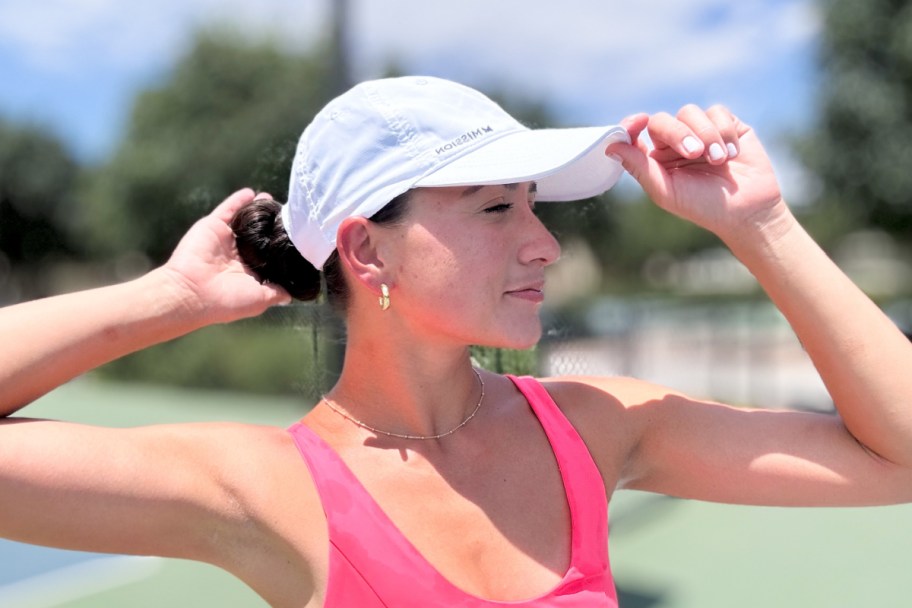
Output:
[[419, 480]]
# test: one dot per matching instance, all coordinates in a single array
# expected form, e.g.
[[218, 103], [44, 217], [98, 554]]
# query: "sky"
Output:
[[74, 66]]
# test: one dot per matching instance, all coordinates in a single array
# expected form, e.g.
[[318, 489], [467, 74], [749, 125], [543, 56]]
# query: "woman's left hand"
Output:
[[705, 166]]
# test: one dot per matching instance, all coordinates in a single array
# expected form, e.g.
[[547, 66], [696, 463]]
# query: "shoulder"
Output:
[[276, 529], [616, 399], [244, 465], [224, 450], [256, 463], [598, 390], [611, 414]]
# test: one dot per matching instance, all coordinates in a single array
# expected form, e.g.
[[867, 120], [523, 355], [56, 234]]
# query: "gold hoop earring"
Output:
[[384, 298]]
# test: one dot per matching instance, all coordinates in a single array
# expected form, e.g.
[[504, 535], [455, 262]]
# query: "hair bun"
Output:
[[266, 249]]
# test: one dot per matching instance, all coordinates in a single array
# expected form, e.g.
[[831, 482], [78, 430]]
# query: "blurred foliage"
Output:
[[283, 352], [37, 180], [623, 235], [229, 116], [506, 361], [860, 148]]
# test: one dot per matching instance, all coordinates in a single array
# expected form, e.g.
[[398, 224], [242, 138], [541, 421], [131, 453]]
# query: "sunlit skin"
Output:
[[468, 265], [465, 266]]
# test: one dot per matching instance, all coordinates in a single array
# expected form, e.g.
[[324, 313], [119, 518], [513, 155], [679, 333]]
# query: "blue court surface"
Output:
[[36, 576]]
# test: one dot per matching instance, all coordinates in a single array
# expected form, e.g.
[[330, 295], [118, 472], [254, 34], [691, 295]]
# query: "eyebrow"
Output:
[[533, 188]]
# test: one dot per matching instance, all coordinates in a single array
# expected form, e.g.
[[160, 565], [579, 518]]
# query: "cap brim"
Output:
[[566, 164]]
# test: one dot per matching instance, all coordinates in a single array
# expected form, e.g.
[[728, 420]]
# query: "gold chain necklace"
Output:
[[338, 409]]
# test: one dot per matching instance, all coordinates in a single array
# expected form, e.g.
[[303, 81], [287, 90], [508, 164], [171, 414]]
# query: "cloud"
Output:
[[59, 37], [590, 60], [585, 46], [67, 36], [573, 45]]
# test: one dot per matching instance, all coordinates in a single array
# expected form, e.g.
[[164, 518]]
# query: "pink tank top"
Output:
[[372, 565]]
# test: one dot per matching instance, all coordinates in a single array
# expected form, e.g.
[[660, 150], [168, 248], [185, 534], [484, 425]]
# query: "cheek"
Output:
[[422, 268], [429, 276], [441, 259], [441, 281]]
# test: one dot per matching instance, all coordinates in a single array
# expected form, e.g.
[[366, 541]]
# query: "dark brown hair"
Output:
[[267, 250]]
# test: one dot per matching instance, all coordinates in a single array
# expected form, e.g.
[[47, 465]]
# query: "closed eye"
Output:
[[499, 208]]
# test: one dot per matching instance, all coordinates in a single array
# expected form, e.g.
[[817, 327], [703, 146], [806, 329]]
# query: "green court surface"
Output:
[[669, 553], [665, 553]]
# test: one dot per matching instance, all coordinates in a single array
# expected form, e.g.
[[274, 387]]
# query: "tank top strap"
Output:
[[369, 557], [583, 482]]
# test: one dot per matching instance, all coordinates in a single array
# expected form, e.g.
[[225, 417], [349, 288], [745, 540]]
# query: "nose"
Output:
[[539, 244]]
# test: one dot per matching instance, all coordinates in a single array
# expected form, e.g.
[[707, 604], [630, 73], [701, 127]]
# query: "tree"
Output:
[[37, 179], [228, 116], [861, 147]]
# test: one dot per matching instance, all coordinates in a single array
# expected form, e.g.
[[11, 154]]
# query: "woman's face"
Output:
[[469, 265]]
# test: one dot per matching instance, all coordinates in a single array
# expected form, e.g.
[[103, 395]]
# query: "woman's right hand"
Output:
[[52, 340], [206, 267]]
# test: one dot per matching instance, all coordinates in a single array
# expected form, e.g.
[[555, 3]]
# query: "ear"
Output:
[[358, 243]]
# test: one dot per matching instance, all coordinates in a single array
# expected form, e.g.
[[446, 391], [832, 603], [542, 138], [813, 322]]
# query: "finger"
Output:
[[634, 124], [632, 159], [260, 196], [228, 207], [648, 173], [668, 157], [666, 131], [728, 127], [703, 127], [275, 295]]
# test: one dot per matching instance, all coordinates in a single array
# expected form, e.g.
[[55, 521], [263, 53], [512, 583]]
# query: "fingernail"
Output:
[[732, 150], [716, 152], [691, 144]]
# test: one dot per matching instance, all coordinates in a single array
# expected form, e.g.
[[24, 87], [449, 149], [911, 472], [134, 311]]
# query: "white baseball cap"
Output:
[[384, 137]]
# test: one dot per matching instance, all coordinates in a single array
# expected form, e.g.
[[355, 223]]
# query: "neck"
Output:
[[400, 388]]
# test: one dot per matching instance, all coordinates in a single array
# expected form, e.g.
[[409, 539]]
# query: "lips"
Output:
[[534, 292]]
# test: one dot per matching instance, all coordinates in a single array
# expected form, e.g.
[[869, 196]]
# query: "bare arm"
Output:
[[861, 356], [200, 491], [47, 342], [657, 439], [195, 491], [111, 490]]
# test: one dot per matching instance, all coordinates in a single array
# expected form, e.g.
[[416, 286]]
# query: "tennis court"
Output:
[[665, 553]]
